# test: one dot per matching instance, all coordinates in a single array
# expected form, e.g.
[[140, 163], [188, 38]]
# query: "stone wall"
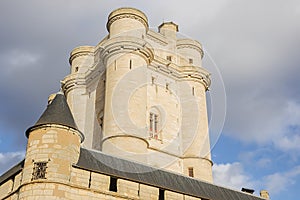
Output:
[[83, 184]]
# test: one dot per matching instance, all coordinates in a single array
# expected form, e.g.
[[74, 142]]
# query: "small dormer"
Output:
[[168, 29]]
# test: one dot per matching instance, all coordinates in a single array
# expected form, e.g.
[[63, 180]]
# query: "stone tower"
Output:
[[53, 146], [140, 95]]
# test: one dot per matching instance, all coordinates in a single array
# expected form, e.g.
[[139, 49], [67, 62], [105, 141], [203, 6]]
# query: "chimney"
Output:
[[264, 194], [168, 29]]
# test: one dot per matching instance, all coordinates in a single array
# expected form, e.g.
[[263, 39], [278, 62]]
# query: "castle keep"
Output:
[[129, 123], [146, 88]]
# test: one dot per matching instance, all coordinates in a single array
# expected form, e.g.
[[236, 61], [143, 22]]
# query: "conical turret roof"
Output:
[[57, 112]]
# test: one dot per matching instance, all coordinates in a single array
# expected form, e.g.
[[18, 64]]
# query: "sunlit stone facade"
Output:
[[130, 123], [140, 95]]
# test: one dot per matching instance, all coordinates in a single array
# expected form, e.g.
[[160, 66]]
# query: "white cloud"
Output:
[[231, 175], [9, 159], [289, 143], [253, 43], [278, 182]]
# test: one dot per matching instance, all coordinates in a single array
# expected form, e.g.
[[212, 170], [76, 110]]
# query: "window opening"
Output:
[[191, 171], [130, 64], [113, 184], [169, 58], [191, 61], [193, 91], [39, 170], [161, 195], [153, 126]]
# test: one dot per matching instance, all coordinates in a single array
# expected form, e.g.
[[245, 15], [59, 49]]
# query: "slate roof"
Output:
[[57, 112], [120, 168]]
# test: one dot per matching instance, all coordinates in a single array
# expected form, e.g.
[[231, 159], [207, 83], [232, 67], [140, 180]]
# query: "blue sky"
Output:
[[251, 47]]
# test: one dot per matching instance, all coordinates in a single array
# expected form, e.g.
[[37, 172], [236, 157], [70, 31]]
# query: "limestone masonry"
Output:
[[130, 123]]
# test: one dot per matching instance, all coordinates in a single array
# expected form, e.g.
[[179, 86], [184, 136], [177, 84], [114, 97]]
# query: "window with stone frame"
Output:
[[39, 170], [169, 58], [154, 126], [191, 171]]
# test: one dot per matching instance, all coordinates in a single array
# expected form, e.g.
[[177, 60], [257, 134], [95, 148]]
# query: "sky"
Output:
[[251, 48]]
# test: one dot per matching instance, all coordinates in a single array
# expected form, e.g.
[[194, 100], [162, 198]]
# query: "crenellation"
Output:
[[148, 192], [173, 196], [190, 198], [99, 181], [128, 188], [80, 177]]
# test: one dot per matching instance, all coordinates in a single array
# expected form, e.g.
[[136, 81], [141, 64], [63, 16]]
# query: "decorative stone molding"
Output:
[[81, 51], [121, 45], [183, 73], [157, 38], [130, 13], [190, 44], [126, 135]]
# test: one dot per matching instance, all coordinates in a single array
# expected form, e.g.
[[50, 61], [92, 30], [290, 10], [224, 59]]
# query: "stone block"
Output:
[[128, 188], [6, 188], [99, 181]]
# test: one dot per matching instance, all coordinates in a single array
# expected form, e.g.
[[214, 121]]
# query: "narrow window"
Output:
[[90, 180], [153, 126], [191, 61], [167, 86], [115, 65], [130, 64], [113, 184], [152, 80], [76, 69], [191, 171], [169, 58], [39, 170], [161, 194], [101, 122], [193, 91], [156, 127]]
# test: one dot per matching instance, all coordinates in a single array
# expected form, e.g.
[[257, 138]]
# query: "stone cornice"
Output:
[[73, 81], [120, 45], [156, 37], [127, 13], [125, 135], [182, 73], [81, 51], [190, 44]]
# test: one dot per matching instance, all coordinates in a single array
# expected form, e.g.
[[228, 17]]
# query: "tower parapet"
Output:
[[127, 20], [190, 51], [81, 58]]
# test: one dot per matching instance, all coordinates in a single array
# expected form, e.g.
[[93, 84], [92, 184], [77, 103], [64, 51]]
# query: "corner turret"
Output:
[[53, 144]]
